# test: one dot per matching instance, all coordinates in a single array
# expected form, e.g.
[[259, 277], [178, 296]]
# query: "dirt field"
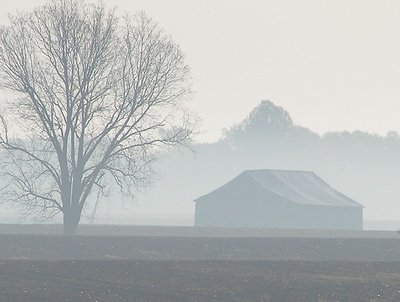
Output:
[[184, 231], [160, 264], [175, 281], [42, 247]]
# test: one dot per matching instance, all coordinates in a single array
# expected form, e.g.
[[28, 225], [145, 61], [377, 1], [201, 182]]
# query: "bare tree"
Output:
[[94, 96]]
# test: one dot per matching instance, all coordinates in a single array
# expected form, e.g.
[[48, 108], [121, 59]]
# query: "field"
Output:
[[188, 264]]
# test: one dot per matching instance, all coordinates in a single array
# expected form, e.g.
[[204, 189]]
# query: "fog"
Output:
[[188, 150], [333, 66], [358, 164], [361, 165]]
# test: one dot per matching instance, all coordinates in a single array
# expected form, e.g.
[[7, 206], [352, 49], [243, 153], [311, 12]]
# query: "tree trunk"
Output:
[[70, 222]]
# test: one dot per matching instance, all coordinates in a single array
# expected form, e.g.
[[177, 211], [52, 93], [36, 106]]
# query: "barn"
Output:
[[278, 199]]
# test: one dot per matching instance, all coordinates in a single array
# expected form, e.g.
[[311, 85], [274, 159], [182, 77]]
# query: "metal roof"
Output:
[[300, 187]]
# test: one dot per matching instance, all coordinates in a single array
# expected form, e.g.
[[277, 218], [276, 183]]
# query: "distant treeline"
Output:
[[362, 165]]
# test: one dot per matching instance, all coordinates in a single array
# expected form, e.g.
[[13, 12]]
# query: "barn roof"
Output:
[[299, 187]]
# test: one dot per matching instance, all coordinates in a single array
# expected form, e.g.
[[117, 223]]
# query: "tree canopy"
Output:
[[95, 95]]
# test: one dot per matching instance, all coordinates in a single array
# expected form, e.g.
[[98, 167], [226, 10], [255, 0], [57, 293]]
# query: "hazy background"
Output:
[[333, 65]]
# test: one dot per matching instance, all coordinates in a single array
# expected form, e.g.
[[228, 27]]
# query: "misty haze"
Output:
[[199, 151]]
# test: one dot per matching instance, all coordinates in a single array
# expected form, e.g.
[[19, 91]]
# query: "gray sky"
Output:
[[333, 65]]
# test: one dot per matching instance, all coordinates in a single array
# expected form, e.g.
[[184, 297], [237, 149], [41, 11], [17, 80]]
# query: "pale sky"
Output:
[[334, 65]]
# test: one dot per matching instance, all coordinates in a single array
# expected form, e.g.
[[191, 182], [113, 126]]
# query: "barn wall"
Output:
[[240, 204], [325, 217], [236, 213]]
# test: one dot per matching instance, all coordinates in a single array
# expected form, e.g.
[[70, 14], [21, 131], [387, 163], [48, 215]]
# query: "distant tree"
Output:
[[264, 124], [95, 96]]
